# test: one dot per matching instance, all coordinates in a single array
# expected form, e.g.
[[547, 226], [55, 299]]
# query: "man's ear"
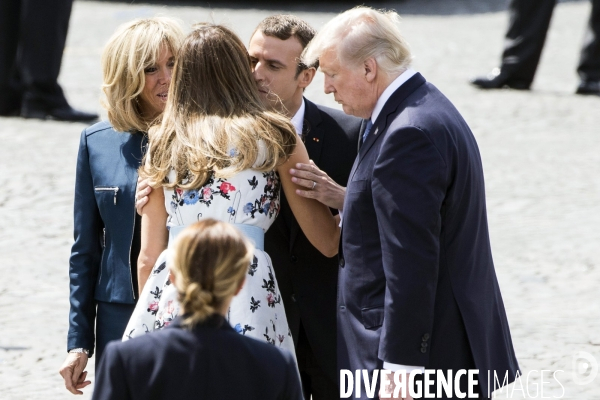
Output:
[[370, 67], [306, 77]]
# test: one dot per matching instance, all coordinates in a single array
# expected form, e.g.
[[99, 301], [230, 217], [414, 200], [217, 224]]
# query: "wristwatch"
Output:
[[80, 350]]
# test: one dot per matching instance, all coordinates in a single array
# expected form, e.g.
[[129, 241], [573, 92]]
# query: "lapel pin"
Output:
[[376, 130], [316, 139]]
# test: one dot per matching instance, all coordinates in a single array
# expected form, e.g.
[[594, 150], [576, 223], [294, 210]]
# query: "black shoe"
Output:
[[589, 87], [499, 80], [63, 113]]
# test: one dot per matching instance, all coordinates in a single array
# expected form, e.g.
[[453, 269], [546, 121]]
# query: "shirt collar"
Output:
[[298, 119], [387, 93]]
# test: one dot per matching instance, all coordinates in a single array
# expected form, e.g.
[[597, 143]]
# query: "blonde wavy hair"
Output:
[[210, 261], [214, 120], [135, 46]]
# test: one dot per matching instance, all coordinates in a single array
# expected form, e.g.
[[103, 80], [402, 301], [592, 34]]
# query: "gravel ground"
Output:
[[539, 150]]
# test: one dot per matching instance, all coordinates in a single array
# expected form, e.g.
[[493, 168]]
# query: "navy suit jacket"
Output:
[[104, 213], [417, 284], [212, 361], [306, 278]]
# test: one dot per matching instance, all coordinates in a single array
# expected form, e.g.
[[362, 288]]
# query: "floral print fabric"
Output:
[[250, 197]]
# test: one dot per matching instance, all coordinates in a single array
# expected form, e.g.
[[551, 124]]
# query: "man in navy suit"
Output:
[[417, 286]]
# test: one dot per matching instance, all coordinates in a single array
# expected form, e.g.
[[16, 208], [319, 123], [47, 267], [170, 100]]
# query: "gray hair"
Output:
[[359, 34]]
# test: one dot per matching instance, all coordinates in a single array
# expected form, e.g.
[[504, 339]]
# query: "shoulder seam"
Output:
[[422, 130], [100, 126]]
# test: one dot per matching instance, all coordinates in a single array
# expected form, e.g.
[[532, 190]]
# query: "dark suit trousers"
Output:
[[589, 62], [316, 384], [33, 34], [111, 321], [526, 35]]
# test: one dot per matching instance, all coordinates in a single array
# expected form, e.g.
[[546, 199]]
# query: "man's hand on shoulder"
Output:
[[318, 185], [141, 194]]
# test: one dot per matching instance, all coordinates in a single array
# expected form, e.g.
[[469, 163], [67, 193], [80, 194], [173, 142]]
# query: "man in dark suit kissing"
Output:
[[417, 285], [306, 278]]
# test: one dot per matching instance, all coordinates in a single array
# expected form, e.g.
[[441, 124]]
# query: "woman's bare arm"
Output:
[[154, 234], [320, 227]]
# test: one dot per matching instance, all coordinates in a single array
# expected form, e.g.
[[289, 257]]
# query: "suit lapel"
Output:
[[312, 136], [392, 107], [311, 133]]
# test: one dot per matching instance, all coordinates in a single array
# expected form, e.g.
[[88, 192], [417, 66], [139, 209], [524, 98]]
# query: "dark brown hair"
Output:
[[285, 26]]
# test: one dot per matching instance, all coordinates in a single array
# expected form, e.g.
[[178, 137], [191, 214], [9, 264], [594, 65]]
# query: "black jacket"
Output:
[[212, 361], [307, 279]]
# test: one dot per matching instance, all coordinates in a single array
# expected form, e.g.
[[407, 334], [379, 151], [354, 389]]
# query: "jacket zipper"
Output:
[[103, 250], [114, 189]]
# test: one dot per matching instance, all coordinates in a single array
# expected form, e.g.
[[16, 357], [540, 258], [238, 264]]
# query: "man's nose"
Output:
[[327, 86], [257, 71]]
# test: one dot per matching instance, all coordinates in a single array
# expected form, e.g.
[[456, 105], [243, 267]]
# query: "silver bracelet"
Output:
[[80, 350]]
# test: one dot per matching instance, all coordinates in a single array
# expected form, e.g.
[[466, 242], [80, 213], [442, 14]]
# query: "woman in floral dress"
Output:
[[219, 153]]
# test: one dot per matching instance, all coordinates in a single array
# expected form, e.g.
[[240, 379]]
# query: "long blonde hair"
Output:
[[214, 120], [135, 46], [210, 260]]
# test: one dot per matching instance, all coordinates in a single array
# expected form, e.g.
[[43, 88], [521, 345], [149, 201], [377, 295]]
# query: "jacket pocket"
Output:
[[372, 317], [110, 189]]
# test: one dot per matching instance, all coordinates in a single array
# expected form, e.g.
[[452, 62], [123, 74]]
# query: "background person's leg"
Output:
[[529, 21], [589, 62], [10, 99]]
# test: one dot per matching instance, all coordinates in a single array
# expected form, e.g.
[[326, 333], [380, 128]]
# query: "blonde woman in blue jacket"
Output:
[[137, 64]]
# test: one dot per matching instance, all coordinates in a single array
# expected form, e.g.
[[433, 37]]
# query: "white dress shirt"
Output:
[[298, 119], [385, 96]]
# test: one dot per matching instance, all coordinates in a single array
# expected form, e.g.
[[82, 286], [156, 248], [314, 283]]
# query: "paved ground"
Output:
[[540, 149]]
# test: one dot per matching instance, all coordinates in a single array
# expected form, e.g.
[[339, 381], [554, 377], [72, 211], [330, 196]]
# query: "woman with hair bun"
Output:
[[200, 355]]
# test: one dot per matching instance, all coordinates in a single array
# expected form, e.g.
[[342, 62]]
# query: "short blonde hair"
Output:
[[359, 34], [135, 46], [210, 261]]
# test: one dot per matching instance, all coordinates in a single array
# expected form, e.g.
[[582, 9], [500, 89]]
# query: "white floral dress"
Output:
[[250, 197]]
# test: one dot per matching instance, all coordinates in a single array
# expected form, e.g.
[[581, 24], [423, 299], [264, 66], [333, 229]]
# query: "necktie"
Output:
[[367, 130]]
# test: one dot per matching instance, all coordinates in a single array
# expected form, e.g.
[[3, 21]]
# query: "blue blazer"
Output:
[[104, 221], [417, 284], [212, 361]]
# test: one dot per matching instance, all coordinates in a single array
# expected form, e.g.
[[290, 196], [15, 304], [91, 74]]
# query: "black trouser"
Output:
[[528, 26], [32, 39], [315, 382]]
